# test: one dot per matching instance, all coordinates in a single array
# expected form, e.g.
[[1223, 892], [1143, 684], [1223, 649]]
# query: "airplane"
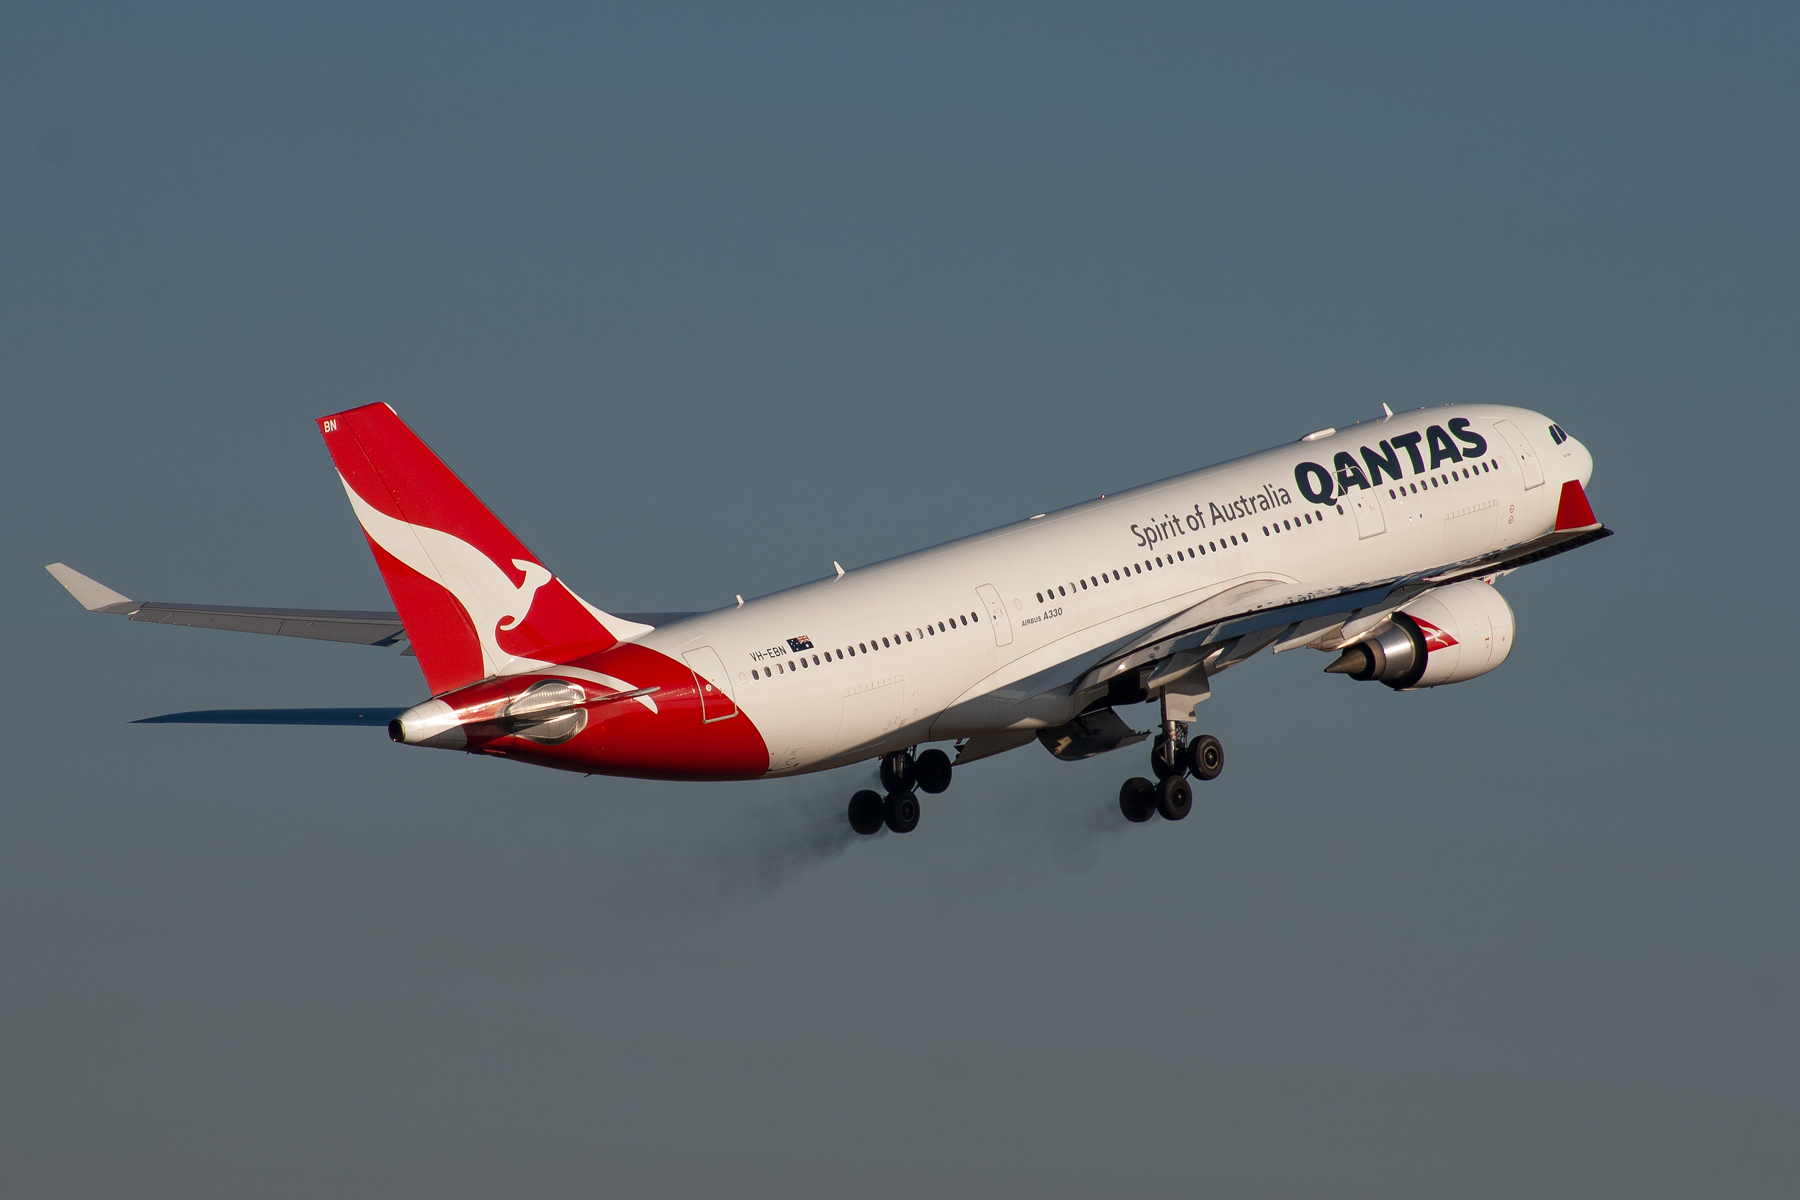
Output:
[[1379, 544]]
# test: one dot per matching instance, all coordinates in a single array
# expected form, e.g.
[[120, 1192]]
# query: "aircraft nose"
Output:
[[1584, 462]]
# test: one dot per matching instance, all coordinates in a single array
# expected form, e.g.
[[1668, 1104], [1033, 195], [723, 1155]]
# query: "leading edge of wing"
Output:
[[277, 716]]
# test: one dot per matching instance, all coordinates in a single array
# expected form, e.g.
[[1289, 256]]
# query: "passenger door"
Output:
[[997, 617], [712, 682], [1367, 507], [1523, 454]]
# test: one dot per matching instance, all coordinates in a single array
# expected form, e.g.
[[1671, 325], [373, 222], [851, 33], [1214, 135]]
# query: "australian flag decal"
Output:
[[800, 643]]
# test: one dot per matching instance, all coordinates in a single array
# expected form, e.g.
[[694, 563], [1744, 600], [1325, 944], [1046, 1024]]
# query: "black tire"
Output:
[[897, 773], [1166, 757], [1137, 799], [902, 811], [932, 770], [867, 812], [1174, 798], [1205, 757]]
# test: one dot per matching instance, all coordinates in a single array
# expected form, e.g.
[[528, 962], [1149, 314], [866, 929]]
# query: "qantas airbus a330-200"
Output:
[[1379, 544]]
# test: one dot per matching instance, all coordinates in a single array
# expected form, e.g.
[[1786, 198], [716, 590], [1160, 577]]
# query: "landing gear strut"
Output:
[[1172, 759], [901, 775]]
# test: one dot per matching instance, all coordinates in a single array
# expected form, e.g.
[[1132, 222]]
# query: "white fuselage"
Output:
[[1018, 605]]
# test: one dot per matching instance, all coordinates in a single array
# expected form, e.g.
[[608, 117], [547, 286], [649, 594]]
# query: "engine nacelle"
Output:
[[1445, 636]]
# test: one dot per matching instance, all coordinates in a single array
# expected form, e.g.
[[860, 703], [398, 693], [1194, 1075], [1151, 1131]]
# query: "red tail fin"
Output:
[[474, 600]]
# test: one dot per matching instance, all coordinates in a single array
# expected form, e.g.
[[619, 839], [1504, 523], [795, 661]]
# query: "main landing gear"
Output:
[[1172, 759], [901, 776]]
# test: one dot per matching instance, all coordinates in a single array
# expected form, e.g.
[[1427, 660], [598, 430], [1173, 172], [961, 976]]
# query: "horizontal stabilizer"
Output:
[[277, 716]]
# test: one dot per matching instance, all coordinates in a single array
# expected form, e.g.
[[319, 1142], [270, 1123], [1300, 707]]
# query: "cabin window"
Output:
[[975, 617], [940, 627], [1040, 597]]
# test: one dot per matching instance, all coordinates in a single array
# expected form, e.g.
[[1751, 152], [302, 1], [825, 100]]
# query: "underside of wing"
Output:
[[277, 716]]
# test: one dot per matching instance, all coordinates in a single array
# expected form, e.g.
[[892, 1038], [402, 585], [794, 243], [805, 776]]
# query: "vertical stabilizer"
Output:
[[474, 600]]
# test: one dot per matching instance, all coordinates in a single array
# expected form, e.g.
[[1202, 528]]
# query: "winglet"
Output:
[[95, 597], [1573, 510]]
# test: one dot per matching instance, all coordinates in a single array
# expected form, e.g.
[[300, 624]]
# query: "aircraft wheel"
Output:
[[1205, 757], [866, 812], [1137, 799], [902, 812], [932, 770], [1174, 798], [898, 773], [1166, 757]]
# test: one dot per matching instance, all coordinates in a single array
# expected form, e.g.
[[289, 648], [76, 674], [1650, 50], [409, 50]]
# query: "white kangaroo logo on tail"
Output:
[[479, 585]]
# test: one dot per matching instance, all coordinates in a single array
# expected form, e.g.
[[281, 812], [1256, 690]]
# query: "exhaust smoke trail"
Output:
[[784, 838]]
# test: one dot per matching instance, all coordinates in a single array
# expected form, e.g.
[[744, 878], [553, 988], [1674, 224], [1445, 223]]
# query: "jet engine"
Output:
[[1445, 636]]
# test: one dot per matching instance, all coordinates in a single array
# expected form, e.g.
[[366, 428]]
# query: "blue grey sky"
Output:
[[700, 299]]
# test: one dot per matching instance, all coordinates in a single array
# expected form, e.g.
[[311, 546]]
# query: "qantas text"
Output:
[[1320, 485]]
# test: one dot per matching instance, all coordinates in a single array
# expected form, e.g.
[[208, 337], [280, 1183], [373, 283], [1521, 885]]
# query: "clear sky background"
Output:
[[701, 299]]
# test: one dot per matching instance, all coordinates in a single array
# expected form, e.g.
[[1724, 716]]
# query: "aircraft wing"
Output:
[[1179, 652], [322, 624], [1242, 621]]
